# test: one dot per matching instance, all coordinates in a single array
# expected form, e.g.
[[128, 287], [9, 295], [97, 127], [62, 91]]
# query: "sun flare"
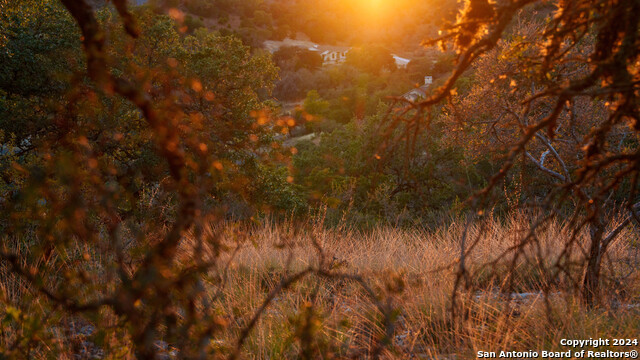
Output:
[[373, 7]]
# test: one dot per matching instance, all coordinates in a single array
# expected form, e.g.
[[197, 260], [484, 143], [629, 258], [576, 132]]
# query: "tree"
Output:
[[123, 160], [420, 67], [396, 191], [294, 58], [201, 8], [193, 23], [493, 112], [262, 18], [315, 105], [287, 87], [371, 58], [599, 41], [36, 66]]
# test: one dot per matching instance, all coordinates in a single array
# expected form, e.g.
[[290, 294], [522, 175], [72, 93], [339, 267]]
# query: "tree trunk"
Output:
[[591, 280]]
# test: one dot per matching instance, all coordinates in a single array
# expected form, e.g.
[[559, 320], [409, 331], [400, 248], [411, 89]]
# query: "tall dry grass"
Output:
[[416, 269], [528, 304]]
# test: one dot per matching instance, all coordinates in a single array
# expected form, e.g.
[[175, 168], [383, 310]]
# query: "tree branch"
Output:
[[555, 154], [540, 165], [615, 232]]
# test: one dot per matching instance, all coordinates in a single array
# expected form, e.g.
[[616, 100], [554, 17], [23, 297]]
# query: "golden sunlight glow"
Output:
[[373, 8]]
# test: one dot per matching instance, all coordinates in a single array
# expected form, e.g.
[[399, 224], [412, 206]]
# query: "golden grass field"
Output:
[[410, 271], [416, 270]]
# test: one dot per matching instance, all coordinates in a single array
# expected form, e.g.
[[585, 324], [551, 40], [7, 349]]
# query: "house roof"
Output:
[[413, 94], [329, 48], [273, 46], [400, 60]]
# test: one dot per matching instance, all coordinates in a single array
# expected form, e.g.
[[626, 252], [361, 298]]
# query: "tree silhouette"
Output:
[[582, 62]]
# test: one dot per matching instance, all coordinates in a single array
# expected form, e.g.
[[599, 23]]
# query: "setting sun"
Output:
[[373, 10], [373, 6]]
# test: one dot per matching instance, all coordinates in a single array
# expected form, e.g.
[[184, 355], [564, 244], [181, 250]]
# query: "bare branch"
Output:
[[555, 154], [615, 232], [540, 165]]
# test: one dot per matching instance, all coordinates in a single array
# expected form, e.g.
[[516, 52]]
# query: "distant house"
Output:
[[401, 62], [332, 54], [419, 92]]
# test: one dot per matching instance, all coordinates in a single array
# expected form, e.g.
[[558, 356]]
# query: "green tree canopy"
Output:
[[371, 58]]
